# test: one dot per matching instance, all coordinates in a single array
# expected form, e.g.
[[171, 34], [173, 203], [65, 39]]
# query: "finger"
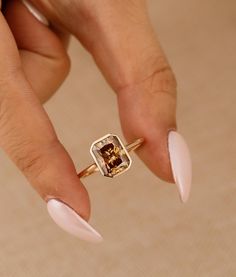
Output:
[[27, 136], [120, 37], [42, 51]]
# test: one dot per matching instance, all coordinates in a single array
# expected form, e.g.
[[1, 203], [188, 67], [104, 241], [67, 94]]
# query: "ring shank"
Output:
[[93, 167]]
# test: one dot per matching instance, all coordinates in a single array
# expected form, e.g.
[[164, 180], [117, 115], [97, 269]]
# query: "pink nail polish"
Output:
[[181, 164], [71, 222]]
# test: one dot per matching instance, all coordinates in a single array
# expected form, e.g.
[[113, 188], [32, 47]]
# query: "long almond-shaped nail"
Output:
[[38, 15], [181, 164], [71, 222]]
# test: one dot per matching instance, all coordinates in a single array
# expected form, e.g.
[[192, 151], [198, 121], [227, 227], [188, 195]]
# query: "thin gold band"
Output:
[[93, 167]]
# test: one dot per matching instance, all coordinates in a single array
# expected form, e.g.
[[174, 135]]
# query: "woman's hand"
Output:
[[119, 36]]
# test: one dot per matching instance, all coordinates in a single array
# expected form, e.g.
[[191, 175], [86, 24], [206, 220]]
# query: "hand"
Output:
[[119, 36]]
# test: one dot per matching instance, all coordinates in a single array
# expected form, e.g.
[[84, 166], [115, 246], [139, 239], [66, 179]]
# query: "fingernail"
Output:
[[38, 15], [181, 164], [71, 222]]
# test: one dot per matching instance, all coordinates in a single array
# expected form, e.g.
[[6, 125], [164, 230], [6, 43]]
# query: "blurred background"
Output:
[[147, 231]]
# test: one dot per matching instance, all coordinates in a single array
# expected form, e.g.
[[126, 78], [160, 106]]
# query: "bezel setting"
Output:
[[110, 155]]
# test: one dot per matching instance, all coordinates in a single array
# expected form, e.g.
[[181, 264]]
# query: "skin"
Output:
[[34, 63]]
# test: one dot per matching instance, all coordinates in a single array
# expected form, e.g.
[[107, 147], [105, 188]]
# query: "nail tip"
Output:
[[184, 198], [68, 220], [99, 240], [181, 164], [184, 190]]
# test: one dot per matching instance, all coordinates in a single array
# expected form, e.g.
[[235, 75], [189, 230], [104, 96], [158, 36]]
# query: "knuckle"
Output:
[[163, 80], [160, 78], [31, 165], [29, 160], [32, 158]]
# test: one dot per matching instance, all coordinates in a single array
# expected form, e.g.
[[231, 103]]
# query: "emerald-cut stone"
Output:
[[110, 155]]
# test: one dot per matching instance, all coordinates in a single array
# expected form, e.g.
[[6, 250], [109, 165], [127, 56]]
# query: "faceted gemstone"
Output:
[[110, 155]]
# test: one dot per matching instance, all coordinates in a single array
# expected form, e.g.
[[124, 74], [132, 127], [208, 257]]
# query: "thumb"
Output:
[[27, 136], [122, 41]]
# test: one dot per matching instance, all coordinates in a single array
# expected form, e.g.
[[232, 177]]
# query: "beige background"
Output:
[[147, 231]]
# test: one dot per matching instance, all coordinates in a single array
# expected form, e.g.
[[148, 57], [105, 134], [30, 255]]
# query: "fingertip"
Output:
[[152, 116], [155, 154], [70, 221]]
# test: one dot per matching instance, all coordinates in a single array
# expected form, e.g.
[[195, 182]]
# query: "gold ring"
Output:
[[110, 156]]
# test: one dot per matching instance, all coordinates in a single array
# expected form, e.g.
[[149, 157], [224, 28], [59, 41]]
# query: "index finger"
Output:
[[28, 137]]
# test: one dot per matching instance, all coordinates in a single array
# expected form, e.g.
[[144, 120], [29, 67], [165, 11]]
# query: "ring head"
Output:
[[110, 155]]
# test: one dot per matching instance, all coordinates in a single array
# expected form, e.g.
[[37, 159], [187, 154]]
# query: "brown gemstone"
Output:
[[110, 155]]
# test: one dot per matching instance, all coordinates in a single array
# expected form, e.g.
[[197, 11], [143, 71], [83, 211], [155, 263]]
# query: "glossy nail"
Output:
[[38, 15], [71, 222], [181, 164]]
